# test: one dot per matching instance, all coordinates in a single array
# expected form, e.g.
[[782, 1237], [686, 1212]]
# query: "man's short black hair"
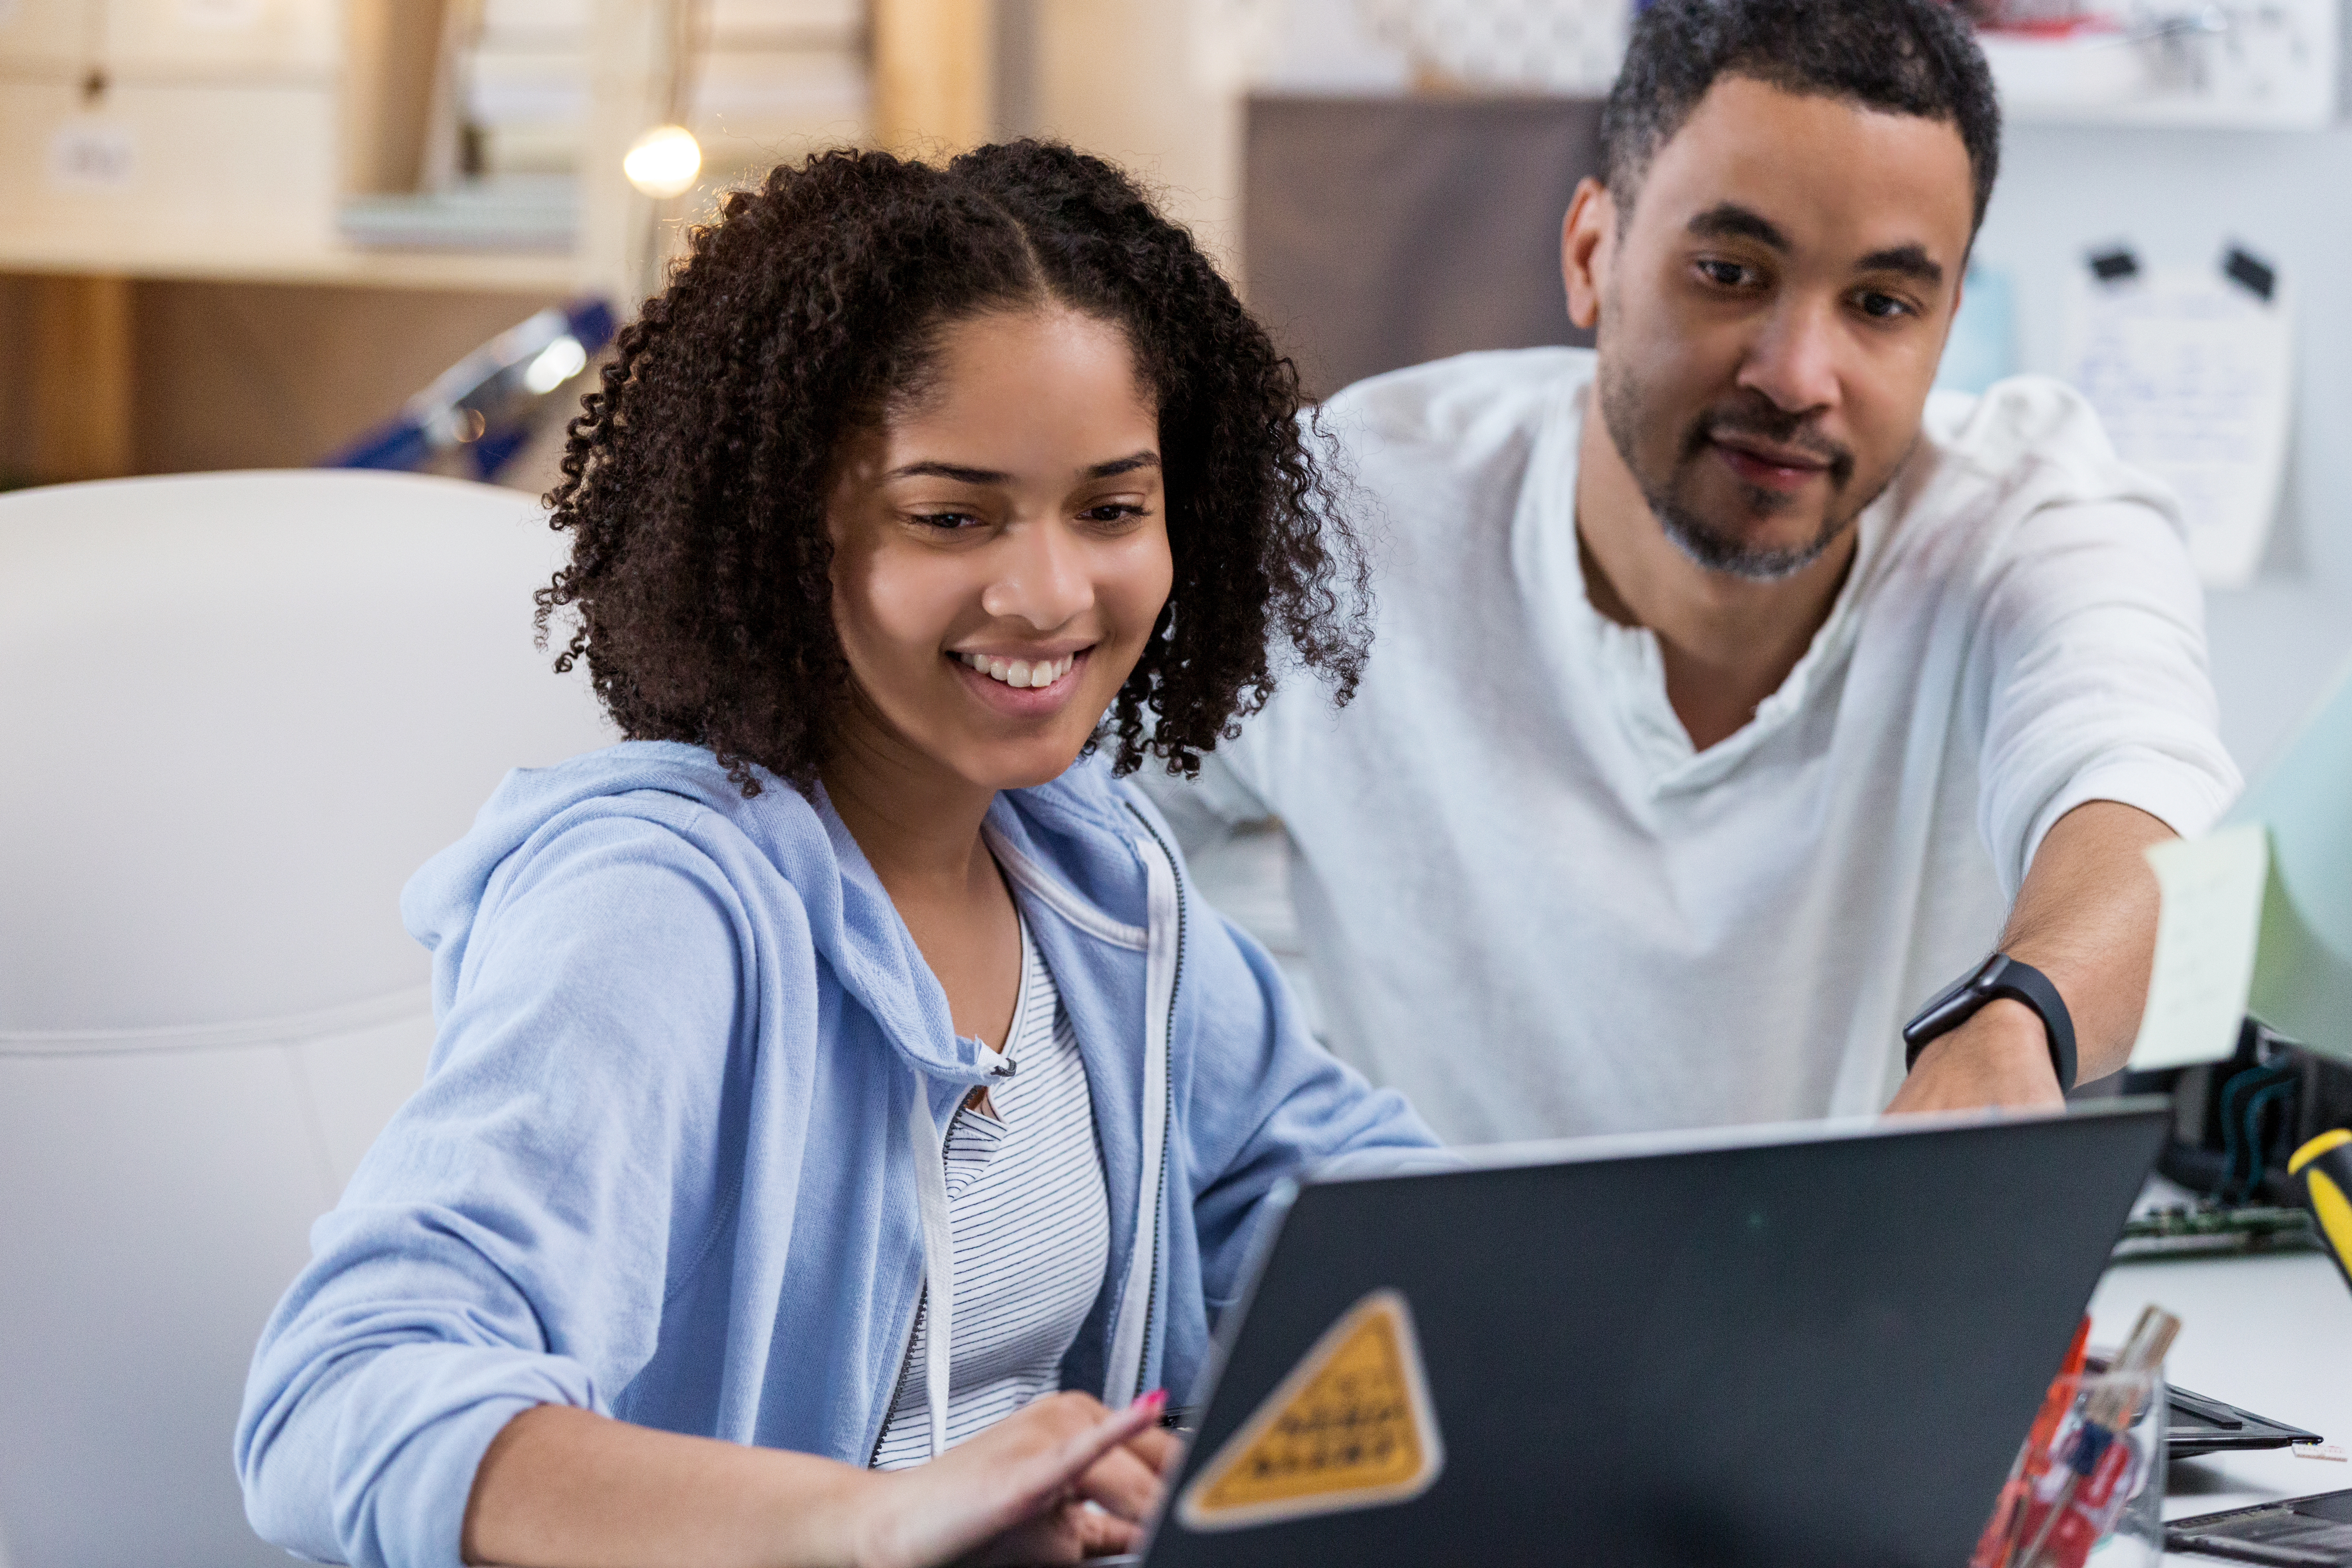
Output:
[[1905, 57]]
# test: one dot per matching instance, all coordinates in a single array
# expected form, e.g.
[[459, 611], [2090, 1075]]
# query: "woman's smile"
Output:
[[1019, 687]]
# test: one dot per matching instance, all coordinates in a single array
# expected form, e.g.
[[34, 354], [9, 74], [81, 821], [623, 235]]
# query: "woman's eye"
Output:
[[1111, 511], [948, 519]]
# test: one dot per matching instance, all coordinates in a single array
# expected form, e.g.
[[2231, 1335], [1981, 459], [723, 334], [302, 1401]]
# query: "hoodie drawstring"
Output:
[[1123, 1380], [1124, 1375], [939, 1257]]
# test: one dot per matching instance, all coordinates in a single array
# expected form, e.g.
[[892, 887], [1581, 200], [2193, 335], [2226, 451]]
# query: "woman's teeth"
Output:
[[1020, 671]]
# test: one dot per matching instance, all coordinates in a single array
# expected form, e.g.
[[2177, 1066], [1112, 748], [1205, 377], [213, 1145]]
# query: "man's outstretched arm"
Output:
[[2085, 917]]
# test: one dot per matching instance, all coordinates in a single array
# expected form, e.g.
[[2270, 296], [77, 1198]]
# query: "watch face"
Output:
[[1954, 1003], [1945, 997], [1973, 980]]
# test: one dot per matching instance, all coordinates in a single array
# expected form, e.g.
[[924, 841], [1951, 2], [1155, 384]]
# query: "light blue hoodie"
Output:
[[677, 1154]]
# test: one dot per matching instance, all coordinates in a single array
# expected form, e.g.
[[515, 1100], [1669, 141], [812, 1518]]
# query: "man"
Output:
[[1730, 696]]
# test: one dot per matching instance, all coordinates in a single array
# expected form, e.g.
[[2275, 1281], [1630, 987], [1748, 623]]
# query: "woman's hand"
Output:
[[1060, 1480]]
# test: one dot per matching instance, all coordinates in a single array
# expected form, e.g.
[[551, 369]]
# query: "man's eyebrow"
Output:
[[1126, 465], [1911, 260], [1729, 220]]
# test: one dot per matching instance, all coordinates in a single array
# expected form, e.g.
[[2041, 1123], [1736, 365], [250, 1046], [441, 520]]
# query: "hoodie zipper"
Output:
[[1160, 1187], [906, 1360], [906, 1346]]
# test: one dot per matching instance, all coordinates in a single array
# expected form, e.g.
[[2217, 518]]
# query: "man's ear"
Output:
[[1587, 236]]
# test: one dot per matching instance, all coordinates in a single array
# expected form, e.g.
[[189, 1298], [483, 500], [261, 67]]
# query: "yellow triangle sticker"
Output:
[[1350, 1427]]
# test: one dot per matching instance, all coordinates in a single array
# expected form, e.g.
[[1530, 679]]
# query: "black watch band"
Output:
[[2000, 975]]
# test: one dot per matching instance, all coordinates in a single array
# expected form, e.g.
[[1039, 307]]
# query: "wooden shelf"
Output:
[[126, 256], [136, 154]]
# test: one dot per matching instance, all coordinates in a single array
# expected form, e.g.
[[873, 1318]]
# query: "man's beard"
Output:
[[1716, 549]]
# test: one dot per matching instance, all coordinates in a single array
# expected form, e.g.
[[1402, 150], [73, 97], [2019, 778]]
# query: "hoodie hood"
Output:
[[855, 929]]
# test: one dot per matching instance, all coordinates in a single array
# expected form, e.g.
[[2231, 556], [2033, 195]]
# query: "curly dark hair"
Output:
[[1905, 57], [694, 480]]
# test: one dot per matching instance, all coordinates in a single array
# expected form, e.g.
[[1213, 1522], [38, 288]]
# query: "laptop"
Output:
[[2300, 1532], [2197, 1424], [1798, 1346]]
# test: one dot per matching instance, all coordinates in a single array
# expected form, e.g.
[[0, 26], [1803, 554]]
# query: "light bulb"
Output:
[[664, 161]]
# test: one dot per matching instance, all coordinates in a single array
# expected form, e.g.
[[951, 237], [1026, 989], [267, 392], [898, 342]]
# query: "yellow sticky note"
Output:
[[1350, 1427], [2205, 934]]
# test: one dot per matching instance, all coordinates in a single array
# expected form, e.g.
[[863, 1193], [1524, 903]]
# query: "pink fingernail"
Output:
[[1156, 1398]]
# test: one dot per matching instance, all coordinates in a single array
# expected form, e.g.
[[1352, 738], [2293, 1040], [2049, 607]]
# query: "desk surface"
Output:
[[2272, 1334]]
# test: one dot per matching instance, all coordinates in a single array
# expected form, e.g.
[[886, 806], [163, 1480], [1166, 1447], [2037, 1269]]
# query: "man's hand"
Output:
[[1999, 1058], [1060, 1480]]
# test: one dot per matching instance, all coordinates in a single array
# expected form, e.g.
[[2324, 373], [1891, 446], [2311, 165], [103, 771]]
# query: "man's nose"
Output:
[[1040, 576], [1793, 360]]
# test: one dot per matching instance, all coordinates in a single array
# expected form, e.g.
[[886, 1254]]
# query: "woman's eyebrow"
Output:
[[963, 475], [950, 471], [1127, 464]]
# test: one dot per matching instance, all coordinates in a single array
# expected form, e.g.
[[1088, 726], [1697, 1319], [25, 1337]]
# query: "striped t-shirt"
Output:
[[1031, 1222]]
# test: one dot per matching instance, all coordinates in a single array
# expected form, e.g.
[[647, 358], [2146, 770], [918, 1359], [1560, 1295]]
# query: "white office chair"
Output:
[[237, 712]]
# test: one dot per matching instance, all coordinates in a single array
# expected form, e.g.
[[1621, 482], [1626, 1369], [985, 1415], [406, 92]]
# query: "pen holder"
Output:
[[2088, 1484]]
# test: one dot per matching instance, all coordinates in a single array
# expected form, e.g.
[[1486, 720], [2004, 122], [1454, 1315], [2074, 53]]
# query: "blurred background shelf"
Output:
[[239, 232], [202, 201], [348, 265]]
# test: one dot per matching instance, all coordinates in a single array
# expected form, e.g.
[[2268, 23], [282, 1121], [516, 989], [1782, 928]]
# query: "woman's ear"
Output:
[[1585, 246]]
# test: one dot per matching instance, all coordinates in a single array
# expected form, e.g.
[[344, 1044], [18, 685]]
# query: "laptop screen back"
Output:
[[1801, 1349]]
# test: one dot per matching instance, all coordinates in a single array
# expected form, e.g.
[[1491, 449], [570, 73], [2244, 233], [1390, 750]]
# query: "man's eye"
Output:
[[1883, 306], [1723, 274]]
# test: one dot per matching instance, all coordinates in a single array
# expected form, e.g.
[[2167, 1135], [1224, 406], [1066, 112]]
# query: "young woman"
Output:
[[840, 1067]]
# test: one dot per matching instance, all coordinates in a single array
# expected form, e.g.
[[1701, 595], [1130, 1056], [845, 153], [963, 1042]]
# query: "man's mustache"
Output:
[[1766, 422]]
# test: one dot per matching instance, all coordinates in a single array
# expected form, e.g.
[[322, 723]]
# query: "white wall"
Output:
[[1122, 77], [2176, 196]]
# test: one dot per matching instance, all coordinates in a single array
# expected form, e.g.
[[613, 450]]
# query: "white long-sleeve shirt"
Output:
[[1531, 906]]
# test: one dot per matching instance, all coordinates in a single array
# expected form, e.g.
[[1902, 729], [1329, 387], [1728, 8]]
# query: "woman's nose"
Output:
[[1040, 576]]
